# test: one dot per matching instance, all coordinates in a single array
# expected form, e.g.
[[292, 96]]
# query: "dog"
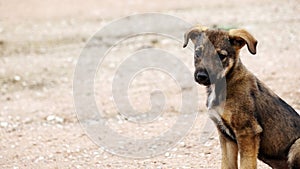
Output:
[[251, 119]]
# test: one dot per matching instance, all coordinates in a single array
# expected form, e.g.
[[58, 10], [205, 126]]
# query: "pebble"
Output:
[[17, 78], [50, 155], [39, 159], [55, 118], [182, 144], [3, 124], [95, 153], [59, 119], [27, 120], [50, 118], [208, 144]]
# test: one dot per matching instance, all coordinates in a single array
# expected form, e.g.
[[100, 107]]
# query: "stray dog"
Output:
[[251, 119]]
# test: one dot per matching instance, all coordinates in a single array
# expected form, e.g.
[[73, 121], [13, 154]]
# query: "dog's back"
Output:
[[280, 123]]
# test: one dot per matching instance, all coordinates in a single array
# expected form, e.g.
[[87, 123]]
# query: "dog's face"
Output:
[[216, 51]]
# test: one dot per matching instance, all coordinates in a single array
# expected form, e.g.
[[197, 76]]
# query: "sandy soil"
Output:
[[40, 42]]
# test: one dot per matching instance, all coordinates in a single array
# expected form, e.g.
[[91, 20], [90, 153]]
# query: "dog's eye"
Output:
[[198, 51], [222, 55]]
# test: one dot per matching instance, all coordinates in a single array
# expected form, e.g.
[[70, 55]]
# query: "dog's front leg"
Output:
[[229, 153], [248, 148]]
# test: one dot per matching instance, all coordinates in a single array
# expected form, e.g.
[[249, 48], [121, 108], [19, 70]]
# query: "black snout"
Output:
[[201, 76]]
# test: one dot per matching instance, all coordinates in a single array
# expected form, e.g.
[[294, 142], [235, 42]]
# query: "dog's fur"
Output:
[[250, 118]]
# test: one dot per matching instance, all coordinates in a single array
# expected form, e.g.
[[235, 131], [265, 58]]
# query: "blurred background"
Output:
[[40, 42]]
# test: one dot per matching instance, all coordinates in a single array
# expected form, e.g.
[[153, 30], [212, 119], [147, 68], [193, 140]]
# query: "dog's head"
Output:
[[217, 51]]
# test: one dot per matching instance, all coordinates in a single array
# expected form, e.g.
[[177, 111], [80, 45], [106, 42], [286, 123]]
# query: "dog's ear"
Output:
[[192, 34], [240, 37]]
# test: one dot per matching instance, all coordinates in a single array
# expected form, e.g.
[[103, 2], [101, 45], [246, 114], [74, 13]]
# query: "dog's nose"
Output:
[[201, 76]]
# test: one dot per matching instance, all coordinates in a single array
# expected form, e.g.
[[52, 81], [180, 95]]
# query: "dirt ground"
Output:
[[40, 42]]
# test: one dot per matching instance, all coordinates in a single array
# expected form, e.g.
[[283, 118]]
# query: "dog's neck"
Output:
[[236, 73], [217, 92], [215, 103]]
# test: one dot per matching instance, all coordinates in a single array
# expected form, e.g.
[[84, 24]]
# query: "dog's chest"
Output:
[[211, 97], [215, 111]]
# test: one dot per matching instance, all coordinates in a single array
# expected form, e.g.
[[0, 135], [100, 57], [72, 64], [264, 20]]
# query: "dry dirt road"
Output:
[[40, 42]]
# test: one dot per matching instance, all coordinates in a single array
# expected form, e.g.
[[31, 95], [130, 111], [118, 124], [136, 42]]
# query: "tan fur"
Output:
[[246, 36], [255, 121], [229, 153], [294, 154]]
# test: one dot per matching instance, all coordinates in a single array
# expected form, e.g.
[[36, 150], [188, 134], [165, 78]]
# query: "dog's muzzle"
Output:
[[202, 77]]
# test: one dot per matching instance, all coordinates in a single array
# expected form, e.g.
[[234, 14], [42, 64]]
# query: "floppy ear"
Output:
[[240, 37], [192, 34]]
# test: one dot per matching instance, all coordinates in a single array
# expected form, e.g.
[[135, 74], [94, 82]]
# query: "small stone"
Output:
[[55, 119], [208, 144], [50, 155], [59, 119], [17, 118], [16, 78], [96, 153], [206, 153], [27, 120], [50, 118], [4, 124], [167, 154], [182, 144], [39, 159]]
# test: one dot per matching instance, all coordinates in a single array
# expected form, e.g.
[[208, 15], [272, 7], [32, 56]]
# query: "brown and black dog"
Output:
[[251, 119]]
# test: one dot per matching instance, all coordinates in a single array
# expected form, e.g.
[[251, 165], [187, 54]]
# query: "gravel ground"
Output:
[[40, 42]]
